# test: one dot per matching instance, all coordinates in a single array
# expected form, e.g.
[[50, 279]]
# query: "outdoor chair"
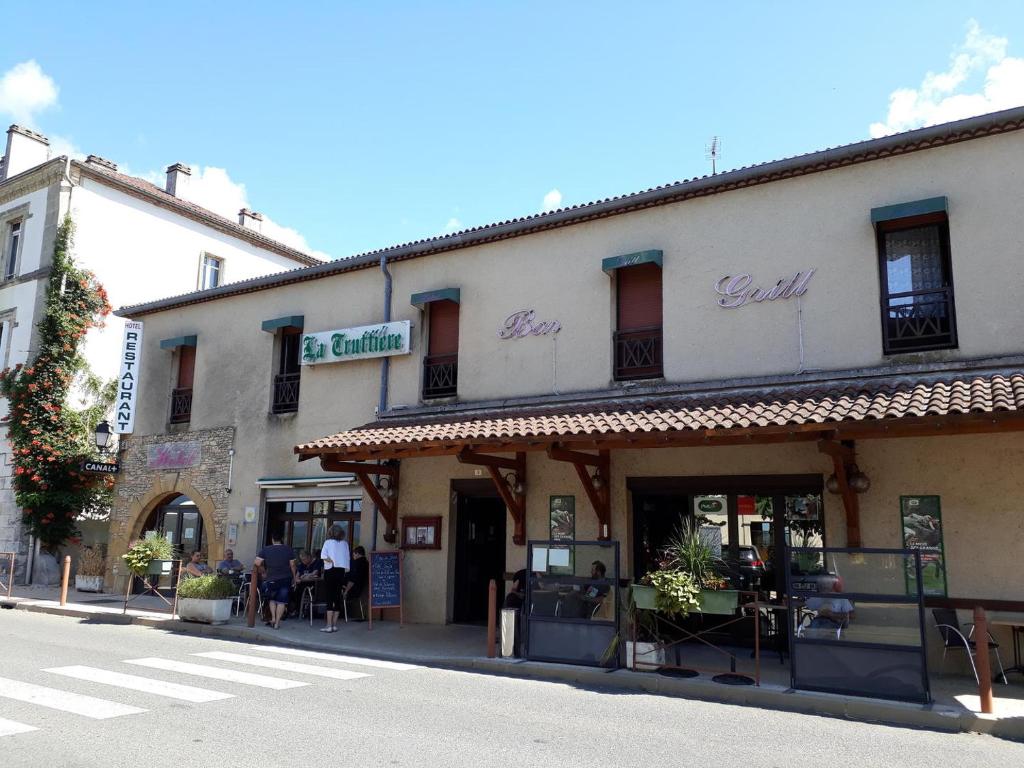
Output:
[[953, 639], [545, 604], [242, 599], [358, 601]]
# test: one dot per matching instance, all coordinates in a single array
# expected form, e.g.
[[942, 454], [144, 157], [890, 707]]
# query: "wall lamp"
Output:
[[387, 488], [515, 484]]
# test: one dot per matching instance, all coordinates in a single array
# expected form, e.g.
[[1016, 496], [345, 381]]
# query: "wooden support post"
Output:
[[250, 605], [64, 580], [842, 463], [492, 615], [514, 502], [982, 661], [597, 488], [388, 507]]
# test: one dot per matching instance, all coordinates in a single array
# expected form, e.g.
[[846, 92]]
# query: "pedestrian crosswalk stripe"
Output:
[[75, 703], [218, 673], [9, 727], [284, 666], [144, 684], [357, 660]]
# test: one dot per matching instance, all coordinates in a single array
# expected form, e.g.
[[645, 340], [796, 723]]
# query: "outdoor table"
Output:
[[1015, 621]]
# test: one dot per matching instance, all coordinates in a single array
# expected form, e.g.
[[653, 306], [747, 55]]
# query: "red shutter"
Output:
[[186, 366], [444, 328], [639, 297]]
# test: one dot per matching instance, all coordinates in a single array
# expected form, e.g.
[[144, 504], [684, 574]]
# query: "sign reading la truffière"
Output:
[[128, 381], [366, 341]]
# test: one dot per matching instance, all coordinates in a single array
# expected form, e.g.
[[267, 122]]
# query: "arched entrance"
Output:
[[178, 517]]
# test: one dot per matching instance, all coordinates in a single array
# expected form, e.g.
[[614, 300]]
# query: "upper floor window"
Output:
[[11, 249], [637, 339], [287, 365], [918, 311], [441, 363], [212, 273], [181, 395]]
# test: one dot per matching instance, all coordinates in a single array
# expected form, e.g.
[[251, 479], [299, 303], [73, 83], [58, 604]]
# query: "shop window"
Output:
[[918, 312], [441, 363], [12, 248], [181, 395], [304, 524], [286, 381], [638, 329]]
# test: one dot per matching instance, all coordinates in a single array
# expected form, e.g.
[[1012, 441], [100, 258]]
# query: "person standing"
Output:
[[278, 561], [337, 560], [355, 584]]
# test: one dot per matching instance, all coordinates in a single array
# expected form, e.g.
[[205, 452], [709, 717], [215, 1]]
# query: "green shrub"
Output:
[[146, 550], [210, 587], [677, 592]]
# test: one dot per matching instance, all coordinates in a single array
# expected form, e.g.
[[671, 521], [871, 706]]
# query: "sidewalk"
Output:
[[955, 707]]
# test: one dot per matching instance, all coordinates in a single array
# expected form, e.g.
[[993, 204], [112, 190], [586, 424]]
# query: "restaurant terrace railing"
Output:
[[286, 393], [920, 320], [181, 405], [440, 375], [638, 353]]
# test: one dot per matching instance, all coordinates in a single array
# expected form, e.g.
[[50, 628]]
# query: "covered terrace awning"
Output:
[[832, 413]]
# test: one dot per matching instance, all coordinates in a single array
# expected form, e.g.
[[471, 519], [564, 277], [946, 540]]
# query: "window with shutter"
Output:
[[286, 382], [638, 333], [441, 364], [181, 397]]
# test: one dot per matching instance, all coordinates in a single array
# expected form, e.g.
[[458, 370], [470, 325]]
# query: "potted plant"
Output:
[[148, 555], [92, 565], [688, 552], [206, 599], [647, 648]]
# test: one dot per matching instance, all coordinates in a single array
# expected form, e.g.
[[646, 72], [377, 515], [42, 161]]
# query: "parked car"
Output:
[[748, 572]]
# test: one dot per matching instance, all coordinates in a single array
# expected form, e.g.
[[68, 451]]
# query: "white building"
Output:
[[141, 241]]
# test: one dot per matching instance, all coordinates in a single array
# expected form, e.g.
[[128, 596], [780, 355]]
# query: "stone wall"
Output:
[[12, 538], [155, 468]]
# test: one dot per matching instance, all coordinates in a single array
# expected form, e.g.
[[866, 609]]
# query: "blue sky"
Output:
[[362, 125]]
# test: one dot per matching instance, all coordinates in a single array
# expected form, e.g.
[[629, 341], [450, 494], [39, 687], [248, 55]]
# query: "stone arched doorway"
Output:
[[178, 518]]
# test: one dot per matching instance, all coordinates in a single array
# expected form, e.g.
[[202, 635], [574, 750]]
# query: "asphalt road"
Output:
[[215, 713]]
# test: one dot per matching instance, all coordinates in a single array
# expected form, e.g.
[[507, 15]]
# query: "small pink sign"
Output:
[[174, 455]]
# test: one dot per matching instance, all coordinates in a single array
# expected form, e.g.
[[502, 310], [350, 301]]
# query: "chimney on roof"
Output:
[[25, 149], [250, 219], [102, 162], [177, 180]]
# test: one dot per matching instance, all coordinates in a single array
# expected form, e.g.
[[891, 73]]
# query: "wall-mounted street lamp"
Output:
[[101, 437], [515, 484]]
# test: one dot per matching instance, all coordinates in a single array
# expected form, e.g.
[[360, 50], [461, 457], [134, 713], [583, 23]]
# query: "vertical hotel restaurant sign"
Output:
[[921, 518], [359, 343], [128, 381]]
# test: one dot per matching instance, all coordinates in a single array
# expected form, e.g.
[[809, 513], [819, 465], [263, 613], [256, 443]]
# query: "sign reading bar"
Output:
[[525, 323], [366, 341], [737, 290], [128, 381], [100, 468]]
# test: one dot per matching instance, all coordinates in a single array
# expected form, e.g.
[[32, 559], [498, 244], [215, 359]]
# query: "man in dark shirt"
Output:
[[357, 577], [278, 561]]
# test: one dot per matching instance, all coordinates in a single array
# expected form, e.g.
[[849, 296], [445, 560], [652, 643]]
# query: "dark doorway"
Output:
[[479, 555]]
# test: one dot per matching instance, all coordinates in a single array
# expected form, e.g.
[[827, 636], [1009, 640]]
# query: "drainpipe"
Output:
[[385, 371]]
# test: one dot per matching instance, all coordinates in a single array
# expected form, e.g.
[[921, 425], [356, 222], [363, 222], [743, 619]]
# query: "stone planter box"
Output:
[[88, 583], [205, 611]]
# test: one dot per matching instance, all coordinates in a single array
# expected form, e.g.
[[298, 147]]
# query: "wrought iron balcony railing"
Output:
[[440, 376], [181, 405], [638, 354], [915, 321], [286, 393]]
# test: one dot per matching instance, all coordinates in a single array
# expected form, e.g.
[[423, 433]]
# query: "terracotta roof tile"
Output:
[[865, 401]]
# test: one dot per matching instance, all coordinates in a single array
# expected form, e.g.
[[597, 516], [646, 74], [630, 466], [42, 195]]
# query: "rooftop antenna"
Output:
[[714, 152]]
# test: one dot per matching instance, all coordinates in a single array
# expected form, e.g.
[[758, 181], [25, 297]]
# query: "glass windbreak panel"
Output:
[[300, 535], [573, 581], [319, 535], [711, 514], [838, 618]]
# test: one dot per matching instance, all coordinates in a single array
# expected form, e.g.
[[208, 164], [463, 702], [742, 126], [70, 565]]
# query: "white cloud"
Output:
[[552, 200], [452, 225], [981, 78], [24, 90], [62, 145]]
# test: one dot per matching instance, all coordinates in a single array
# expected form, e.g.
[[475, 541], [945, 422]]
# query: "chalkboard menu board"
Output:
[[386, 579]]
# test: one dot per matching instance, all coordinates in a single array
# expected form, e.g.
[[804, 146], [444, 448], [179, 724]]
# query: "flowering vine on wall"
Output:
[[48, 438]]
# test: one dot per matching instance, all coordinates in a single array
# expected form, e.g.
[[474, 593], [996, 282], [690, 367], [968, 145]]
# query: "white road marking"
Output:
[[284, 666], [75, 703], [144, 684], [9, 727], [357, 660], [218, 673]]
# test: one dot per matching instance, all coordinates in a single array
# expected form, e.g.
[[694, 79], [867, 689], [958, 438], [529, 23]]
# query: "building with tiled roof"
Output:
[[796, 352], [142, 242]]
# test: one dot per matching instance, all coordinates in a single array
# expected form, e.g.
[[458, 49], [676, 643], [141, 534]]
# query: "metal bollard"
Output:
[[984, 670], [64, 580], [492, 615]]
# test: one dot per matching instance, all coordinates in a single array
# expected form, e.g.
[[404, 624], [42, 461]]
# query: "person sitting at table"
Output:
[[196, 567], [356, 579], [832, 613], [307, 571], [229, 566]]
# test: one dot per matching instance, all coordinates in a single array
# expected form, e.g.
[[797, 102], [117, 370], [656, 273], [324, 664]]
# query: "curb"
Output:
[[932, 717]]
